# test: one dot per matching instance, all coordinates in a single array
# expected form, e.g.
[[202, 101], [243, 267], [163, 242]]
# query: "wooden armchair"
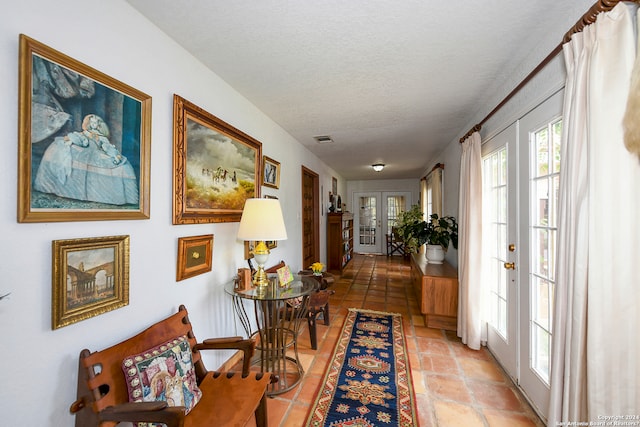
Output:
[[228, 399], [395, 244]]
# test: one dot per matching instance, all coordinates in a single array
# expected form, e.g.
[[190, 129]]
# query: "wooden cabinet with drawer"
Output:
[[436, 286]]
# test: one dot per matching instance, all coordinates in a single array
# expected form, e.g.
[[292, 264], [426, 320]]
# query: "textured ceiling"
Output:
[[390, 81]]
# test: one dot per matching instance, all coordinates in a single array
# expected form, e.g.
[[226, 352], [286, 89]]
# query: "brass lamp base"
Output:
[[261, 255], [260, 277]]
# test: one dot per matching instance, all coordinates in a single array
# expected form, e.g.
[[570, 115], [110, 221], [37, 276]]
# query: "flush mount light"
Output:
[[378, 167]]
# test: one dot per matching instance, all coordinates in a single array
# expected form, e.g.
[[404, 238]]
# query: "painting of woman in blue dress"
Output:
[[85, 140], [85, 165]]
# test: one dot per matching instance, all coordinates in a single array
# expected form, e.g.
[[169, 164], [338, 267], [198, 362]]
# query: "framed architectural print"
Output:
[[90, 277], [216, 166], [84, 141], [194, 256], [270, 172]]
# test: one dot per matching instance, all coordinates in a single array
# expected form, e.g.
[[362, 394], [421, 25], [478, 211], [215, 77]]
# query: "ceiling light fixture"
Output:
[[378, 167]]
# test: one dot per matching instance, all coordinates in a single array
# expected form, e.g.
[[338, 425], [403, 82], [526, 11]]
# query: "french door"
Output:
[[375, 215], [521, 168]]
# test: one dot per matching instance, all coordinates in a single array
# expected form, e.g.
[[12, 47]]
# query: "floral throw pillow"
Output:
[[163, 373]]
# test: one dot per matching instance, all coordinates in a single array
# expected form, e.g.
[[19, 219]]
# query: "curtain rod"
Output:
[[437, 166], [588, 18]]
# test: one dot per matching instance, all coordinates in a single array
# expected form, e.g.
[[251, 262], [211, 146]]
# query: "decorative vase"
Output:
[[435, 254]]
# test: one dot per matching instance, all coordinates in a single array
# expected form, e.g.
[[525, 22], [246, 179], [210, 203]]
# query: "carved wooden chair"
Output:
[[227, 399]]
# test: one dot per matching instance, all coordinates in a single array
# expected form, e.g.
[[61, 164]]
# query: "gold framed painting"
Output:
[[84, 141], [90, 277], [270, 172], [216, 166], [194, 256]]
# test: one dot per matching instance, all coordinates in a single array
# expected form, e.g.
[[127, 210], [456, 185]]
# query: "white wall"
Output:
[[39, 365]]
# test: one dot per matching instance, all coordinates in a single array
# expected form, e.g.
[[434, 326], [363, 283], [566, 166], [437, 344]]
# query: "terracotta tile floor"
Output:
[[454, 386]]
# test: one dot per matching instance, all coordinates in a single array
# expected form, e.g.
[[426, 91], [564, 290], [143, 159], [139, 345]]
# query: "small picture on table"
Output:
[[285, 276]]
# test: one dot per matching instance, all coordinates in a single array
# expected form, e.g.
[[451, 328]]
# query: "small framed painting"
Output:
[[90, 277], [270, 172], [84, 141], [194, 256]]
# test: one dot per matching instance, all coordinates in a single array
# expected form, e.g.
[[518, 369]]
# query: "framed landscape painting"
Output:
[[90, 277], [84, 141], [216, 166]]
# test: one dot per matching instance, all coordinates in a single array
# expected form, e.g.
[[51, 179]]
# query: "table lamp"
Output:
[[261, 220]]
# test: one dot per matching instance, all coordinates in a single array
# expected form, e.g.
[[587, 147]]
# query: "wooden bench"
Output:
[[228, 399]]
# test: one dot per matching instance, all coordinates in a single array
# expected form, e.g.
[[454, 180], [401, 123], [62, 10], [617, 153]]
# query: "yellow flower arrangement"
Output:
[[317, 268]]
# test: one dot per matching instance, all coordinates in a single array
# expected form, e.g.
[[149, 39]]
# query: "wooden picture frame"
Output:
[[90, 277], [270, 172], [84, 141], [194, 256], [249, 245], [216, 167]]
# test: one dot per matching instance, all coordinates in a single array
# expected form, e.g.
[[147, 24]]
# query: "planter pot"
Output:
[[435, 254]]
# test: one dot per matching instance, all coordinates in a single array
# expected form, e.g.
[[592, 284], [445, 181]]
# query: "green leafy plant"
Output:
[[441, 231], [415, 231], [412, 228]]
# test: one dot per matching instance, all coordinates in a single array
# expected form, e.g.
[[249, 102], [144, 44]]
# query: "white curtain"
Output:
[[436, 191], [595, 351], [423, 195], [471, 320]]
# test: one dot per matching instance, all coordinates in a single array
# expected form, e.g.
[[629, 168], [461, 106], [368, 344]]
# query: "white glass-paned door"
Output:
[[367, 223], [540, 136], [520, 172], [395, 205], [377, 213], [499, 232]]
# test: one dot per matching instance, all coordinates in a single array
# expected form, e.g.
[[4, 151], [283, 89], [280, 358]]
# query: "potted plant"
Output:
[[412, 229], [440, 232], [436, 233]]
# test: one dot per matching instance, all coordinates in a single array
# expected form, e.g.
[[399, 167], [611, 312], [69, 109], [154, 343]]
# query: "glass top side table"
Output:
[[278, 312]]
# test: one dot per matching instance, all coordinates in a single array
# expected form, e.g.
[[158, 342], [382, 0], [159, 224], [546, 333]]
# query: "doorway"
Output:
[[375, 215], [310, 217], [521, 168]]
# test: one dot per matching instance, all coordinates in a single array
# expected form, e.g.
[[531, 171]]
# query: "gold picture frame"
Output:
[[216, 167], [195, 256], [249, 245], [84, 141], [90, 277], [270, 172]]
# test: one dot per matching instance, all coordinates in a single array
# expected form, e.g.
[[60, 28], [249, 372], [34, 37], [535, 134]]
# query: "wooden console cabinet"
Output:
[[436, 286], [339, 241]]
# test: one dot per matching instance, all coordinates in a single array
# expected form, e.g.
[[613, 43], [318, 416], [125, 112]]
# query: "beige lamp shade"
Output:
[[262, 220]]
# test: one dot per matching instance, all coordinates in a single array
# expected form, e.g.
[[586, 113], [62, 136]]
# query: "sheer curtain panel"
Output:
[[471, 319], [596, 352]]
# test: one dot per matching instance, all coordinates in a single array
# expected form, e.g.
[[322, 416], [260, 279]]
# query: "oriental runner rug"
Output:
[[367, 382]]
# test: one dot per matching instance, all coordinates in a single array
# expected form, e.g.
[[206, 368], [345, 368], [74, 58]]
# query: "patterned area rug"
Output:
[[367, 382]]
